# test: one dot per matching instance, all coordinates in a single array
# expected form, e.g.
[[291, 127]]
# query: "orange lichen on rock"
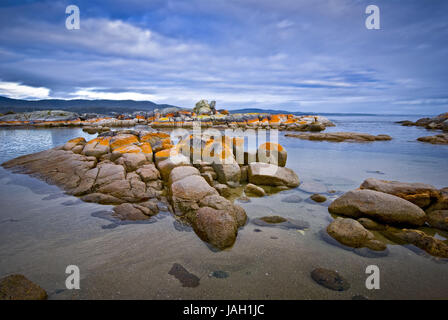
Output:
[[271, 146], [146, 147], [123, 140], [77, 140], [103, 141], [132, 148]]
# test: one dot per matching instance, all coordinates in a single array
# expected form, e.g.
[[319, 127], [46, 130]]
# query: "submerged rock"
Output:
[[294, 198], [280, 222], [330, 279], [18, 287], [379, 206], [186, 278], [318, 198]]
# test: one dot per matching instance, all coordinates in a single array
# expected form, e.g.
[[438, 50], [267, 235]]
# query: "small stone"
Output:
[[186, 278], [294, 198], [330, 279], [318, 198]]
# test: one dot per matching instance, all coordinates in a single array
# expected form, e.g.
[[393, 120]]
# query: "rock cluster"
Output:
[[387, 207], [340, 137], [439, 122], [441, 138], [136, 170], [204, 113]]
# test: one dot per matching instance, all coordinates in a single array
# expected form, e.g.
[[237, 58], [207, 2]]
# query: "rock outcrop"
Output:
[[271, 175], [420, 194], [340, 137], [437, 139], [379, 206], [439, 122]]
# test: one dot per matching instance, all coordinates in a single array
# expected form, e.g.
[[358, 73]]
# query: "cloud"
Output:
[[295, 54], [20, 91], [96, 93]]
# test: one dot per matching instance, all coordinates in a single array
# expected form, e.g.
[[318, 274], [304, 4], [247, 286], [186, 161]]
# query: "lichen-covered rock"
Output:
[[272, 175], [420, 194], [378, 206], [97, 147], [351, 233], [70, 144], [18, 287], [274, 153]]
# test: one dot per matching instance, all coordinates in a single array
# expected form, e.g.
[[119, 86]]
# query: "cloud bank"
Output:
[[296, 55]]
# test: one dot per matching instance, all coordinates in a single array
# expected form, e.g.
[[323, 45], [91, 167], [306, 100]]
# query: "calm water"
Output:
[[42, 230]]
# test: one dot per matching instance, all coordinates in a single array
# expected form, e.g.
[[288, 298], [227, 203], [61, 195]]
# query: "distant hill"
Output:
[[79, 105]]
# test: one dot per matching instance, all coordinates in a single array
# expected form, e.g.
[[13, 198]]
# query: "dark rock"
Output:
[[330, 279], [186, 278], [280, 222]]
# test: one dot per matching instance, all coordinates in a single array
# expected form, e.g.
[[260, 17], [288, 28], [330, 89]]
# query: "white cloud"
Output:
[[285, 24], [19, 91], [95, 93]]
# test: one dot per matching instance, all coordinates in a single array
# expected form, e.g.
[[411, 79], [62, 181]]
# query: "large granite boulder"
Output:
[[420, 194], [379, 206], [274, 153], [272, 175]]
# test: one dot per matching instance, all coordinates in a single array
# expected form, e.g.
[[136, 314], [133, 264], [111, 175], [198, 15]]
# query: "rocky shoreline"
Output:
[[137, 171], [204, 113], [439, 122]]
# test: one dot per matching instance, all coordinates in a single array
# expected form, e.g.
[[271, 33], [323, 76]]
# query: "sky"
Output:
[[294, 55]]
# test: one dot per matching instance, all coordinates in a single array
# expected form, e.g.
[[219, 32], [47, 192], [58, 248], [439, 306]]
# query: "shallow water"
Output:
[[42, 230]]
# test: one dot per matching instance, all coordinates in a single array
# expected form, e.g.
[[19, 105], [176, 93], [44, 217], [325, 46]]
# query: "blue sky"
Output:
[[297, 55]]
